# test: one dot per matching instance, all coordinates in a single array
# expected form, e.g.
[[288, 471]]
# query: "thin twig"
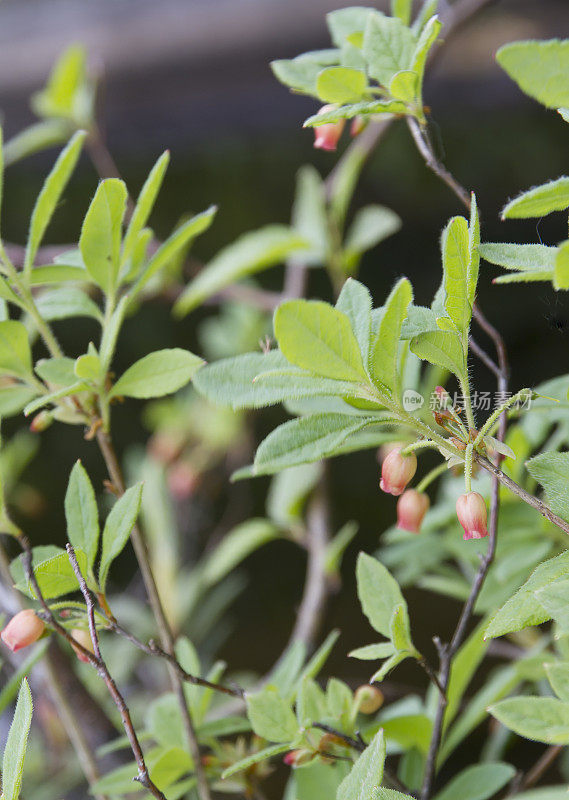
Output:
[[421, 139], [93, 658], [99, 663], [154, 649], [533, 775]]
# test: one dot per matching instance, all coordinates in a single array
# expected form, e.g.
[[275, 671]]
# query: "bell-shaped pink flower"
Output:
[[472, 515], [82, 637], [326, 136], [396, 471], [411, 508], [24, 629]]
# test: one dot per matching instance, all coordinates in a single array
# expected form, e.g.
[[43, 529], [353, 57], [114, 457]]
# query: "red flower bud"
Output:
[[471, 512], [411, 508], [295, 758], [83, 638], [397, 471], [22, 630], [326, 136]]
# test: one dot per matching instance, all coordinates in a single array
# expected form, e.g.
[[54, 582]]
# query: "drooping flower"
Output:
[[83, 638], [396, 471], [24, 629], [472, 515], [326, 136], [411, 508]]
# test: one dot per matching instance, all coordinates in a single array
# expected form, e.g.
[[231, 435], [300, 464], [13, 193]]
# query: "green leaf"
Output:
[[49, 196], [523, 257], [539, 68], [16, 743], [311, 705], [57, 371], [463, 667], [118, 526], [346, 21], [351, 110], [554, 598], [341, 85], [385, 350], [13, 684], [66, 94], [551, 470], [303, 440], [561, 270], [101, 233], [144, 205], [14, 398], [235, 546], [479, 782], [301, 73], [497, 685], [65, 303], [390, 794], [388, 47], [309, 216], [164, 721], [81, 513], [271, 716], [456, 259], [378, 592], [251, 253], [53, 397], [409, 731], [402, 9], [543, 719], [15, 353], [371, 225], [111, 332], [473, 251], [365, 776], [315, 336], [57, 273], [255, 758], [159, 373], [522, 609], [427, 38], [525, 276], [355, 302], [441, 348], [558, 677], [403, 85], [539, 201], [178, 241], [35, 138], [288, 493], [373, 652], [55, 575]]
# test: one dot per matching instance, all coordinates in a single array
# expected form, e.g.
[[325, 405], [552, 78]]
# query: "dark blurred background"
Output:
[[193, 76]]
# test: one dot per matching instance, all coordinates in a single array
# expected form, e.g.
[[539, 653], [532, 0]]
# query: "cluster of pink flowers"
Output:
[[396, 473]]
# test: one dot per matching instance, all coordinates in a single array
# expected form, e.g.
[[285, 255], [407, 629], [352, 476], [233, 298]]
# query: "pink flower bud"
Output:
[[358, 125], [22, 630], [326, 136], [83, 638], [397, 471], [41, 422], [411, 508], [471, 513], [295, 758]]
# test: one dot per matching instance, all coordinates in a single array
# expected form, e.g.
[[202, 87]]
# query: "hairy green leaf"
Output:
[[157, 374], [16, 743]]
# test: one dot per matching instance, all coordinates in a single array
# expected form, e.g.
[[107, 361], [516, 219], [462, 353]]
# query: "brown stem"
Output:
[[448, 652], [425, 148], [533, 775], [153, 649], [98, 662]]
